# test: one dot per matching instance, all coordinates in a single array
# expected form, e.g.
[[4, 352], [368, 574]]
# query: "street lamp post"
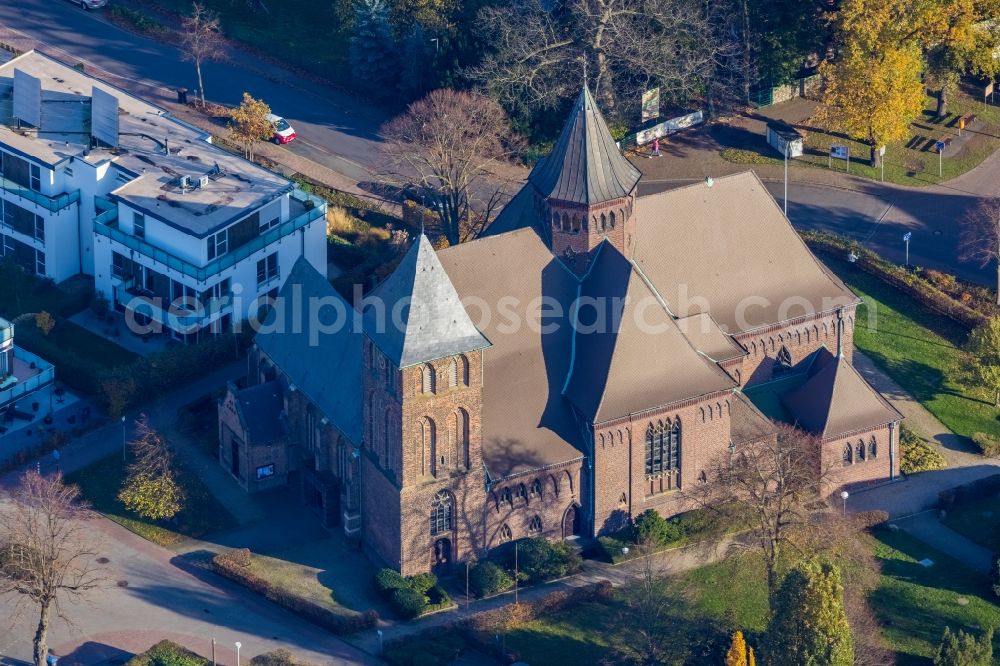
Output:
[[437, 44], [906, 241], [238, 646], [378, 632], [124, 439], [844, 495], [624, 551]]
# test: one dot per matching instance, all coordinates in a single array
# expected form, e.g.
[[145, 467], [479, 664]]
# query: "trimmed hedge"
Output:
[[539, 559], [233, 565], [988, 445], [912, 284], [969, 492], [870, 519], [658, 533]]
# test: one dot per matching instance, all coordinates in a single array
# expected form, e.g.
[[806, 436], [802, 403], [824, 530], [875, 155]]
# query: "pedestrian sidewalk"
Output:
[[928, 528], [918, 492]]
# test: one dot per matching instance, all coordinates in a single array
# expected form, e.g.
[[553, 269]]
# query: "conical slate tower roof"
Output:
[[416, 315], [585, 167]]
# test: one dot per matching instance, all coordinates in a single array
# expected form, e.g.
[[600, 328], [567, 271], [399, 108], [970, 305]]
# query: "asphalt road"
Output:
[[334, 128]]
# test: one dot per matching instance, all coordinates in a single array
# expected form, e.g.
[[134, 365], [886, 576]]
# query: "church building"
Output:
[[586, 359]]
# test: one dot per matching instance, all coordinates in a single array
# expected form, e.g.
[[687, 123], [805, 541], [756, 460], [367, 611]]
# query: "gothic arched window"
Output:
[[861, 451], [458, 427], [872, 447], [848, 455], [428, 378], [522, 493], [536, 488], [611, 219], [505, 535], [663, 447], [535, 526], [675, 445], [506, 497], [427, 445], [442, 513], [452, 373], [604, 222]]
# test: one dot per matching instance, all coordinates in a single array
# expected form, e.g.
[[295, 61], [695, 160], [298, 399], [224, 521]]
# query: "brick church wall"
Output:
[[557, 490], [622, 487], [380, 517], [801, 337], [859, 474]]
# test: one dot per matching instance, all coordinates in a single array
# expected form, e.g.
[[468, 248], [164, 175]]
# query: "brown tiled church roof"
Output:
[[706, 336], [835, 400], [628, 353], [714, 247], [526, 423], [585, 166]]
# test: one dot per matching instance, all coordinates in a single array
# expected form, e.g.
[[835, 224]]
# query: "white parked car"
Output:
[[90, 4], [283, 132]]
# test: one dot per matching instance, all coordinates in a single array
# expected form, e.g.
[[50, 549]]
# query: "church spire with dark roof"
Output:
[[415, 315], [585, 166]]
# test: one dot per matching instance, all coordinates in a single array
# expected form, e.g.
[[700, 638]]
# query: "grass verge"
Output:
[[922, 351], [201, 515]]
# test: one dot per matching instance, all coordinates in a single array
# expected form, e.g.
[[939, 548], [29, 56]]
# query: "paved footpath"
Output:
[[928, 528]]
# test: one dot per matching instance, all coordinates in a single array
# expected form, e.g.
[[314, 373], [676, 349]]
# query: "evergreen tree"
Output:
[[373, 51], [737, 653], [963, 649], [417, 77], [809, 626]]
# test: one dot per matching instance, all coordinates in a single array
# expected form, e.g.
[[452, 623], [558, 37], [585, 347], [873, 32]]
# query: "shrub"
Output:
[[539, 559], [409, 602], [388, 580], [918, 455], [869, 519], [239, 557], [279, 657], [487, 578], [612, 547], [988, 445], [962, 649], [422, 583], [651, 529], [166, 653]]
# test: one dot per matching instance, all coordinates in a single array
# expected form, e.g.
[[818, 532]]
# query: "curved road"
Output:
[[335, 128]]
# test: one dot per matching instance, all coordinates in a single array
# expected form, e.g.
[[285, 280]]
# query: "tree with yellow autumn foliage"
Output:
[[150, 488], [873, 88], [249, 123], [739, 653]]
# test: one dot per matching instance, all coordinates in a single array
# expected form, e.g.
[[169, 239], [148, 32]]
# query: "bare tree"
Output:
[[45, 550], [980, 235], [449, 144], [769, 485], [629, 45], [201, 40]]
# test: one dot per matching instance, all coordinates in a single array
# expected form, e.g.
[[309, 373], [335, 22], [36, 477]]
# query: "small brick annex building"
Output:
[[586, 359]]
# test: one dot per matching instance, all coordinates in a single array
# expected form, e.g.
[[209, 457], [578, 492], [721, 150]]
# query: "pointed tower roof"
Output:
[[585, 166], [836, 400], [417, 315]]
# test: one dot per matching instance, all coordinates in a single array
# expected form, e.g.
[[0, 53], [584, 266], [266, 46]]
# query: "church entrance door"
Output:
[[571, 522], [442, 554]]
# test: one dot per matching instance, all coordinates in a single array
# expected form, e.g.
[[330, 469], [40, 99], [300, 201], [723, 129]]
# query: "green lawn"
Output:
[[327, 572], [915, 603], [978, 521], [202, 513], [73, 337], [920, 350], [913, 161]]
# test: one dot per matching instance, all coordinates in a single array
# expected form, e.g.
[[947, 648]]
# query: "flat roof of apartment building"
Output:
[[153, 147]]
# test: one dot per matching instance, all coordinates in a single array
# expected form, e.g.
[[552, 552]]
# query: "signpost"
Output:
[[651, 105], [841, 153], [906, 239], [881, 161], [988, 92], [939, 144]]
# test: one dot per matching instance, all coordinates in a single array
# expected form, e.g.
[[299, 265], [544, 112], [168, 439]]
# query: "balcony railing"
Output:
[[166, 312], [54, 204], [106, 227], [31, 384]]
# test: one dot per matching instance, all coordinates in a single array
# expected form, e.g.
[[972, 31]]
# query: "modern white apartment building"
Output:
[[174, 229]]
